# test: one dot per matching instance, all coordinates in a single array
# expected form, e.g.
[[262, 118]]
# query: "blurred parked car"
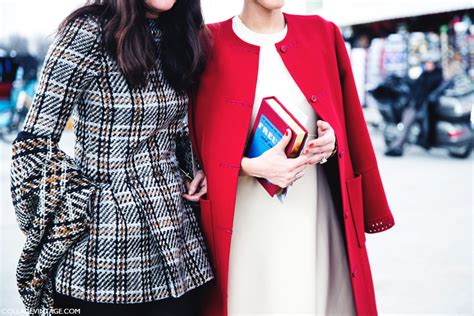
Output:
[[444, 121], [18, 75]]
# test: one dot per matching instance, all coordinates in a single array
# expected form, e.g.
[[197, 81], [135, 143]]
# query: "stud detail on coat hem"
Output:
[[379, 226]]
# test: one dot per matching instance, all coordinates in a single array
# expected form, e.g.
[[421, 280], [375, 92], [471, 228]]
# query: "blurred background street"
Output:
[[424, 265]]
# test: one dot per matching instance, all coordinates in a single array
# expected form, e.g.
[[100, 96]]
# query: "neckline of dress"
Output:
[[255, 38]]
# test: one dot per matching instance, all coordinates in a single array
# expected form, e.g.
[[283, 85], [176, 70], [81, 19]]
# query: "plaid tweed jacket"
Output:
[[109, 225]]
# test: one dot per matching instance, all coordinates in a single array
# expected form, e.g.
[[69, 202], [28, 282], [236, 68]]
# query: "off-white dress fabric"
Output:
[[286, 258]]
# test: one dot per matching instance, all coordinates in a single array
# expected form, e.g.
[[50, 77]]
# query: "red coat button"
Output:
[[340, 154], [314, 98], [346, 215], [283, 49]]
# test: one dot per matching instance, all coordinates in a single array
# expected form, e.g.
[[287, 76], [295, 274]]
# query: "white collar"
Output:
[[254, 38]]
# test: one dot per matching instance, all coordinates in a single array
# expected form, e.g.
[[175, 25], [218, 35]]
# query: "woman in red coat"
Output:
[[307, 254]]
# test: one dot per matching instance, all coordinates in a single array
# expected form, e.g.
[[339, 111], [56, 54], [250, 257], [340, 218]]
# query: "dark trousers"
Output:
[[421, 89], [186, 305]]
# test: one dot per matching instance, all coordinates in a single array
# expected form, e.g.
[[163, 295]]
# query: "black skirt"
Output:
[[186, 305]]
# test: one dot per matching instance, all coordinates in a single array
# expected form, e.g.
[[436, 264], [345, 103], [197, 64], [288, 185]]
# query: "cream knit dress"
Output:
[[286, 258]]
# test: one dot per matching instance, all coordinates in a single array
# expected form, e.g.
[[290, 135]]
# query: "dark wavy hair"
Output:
[[127, 38]]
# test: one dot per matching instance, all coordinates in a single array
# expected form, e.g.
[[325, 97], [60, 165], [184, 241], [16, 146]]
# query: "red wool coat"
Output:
[[315, 54]]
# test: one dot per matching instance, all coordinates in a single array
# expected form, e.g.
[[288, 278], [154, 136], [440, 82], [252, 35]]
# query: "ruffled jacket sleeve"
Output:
[[51, 196], [377, 214]]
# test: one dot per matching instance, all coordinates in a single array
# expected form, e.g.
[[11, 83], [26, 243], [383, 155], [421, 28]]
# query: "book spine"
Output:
[[271, 188]]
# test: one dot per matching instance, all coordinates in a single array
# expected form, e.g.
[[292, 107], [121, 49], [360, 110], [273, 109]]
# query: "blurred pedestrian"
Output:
[[430, 79], [109, 231]]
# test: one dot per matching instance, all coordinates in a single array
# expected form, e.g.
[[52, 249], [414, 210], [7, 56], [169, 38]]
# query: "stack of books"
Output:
[[271, 123]]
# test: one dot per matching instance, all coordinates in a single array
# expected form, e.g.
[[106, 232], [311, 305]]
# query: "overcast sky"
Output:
[[41, 17], [32, 17]]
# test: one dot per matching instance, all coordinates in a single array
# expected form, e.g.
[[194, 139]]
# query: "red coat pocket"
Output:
[[354, 190]]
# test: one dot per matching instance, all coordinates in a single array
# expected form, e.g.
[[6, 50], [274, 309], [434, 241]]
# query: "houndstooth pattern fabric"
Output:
[[109, 225]]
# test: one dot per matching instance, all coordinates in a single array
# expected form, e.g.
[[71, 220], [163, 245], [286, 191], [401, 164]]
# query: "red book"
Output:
[[271, 123]]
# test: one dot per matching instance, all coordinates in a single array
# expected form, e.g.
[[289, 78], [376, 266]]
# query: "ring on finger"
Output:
[[299, 175], [323, 160]]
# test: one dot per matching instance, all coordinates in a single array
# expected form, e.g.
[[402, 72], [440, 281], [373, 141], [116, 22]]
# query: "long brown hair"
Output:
[[127, 38]]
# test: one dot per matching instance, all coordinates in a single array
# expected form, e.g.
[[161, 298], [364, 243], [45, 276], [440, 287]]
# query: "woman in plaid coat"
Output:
[[111, 225]]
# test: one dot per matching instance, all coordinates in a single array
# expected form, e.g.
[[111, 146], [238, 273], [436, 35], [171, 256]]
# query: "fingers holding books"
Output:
[[322, 147], [323, 126], [279, 170], [298, 173], [275, 166], [298, 162], [320, 155], [196, 188], [285, 140], [294, 175], [326, 133]]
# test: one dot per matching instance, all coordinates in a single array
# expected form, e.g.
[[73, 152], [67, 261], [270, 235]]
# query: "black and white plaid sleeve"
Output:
[[51, 197]]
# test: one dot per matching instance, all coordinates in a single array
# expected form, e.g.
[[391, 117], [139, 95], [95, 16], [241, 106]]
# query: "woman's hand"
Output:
[[196, 188], [274, 166], [322, 147]]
